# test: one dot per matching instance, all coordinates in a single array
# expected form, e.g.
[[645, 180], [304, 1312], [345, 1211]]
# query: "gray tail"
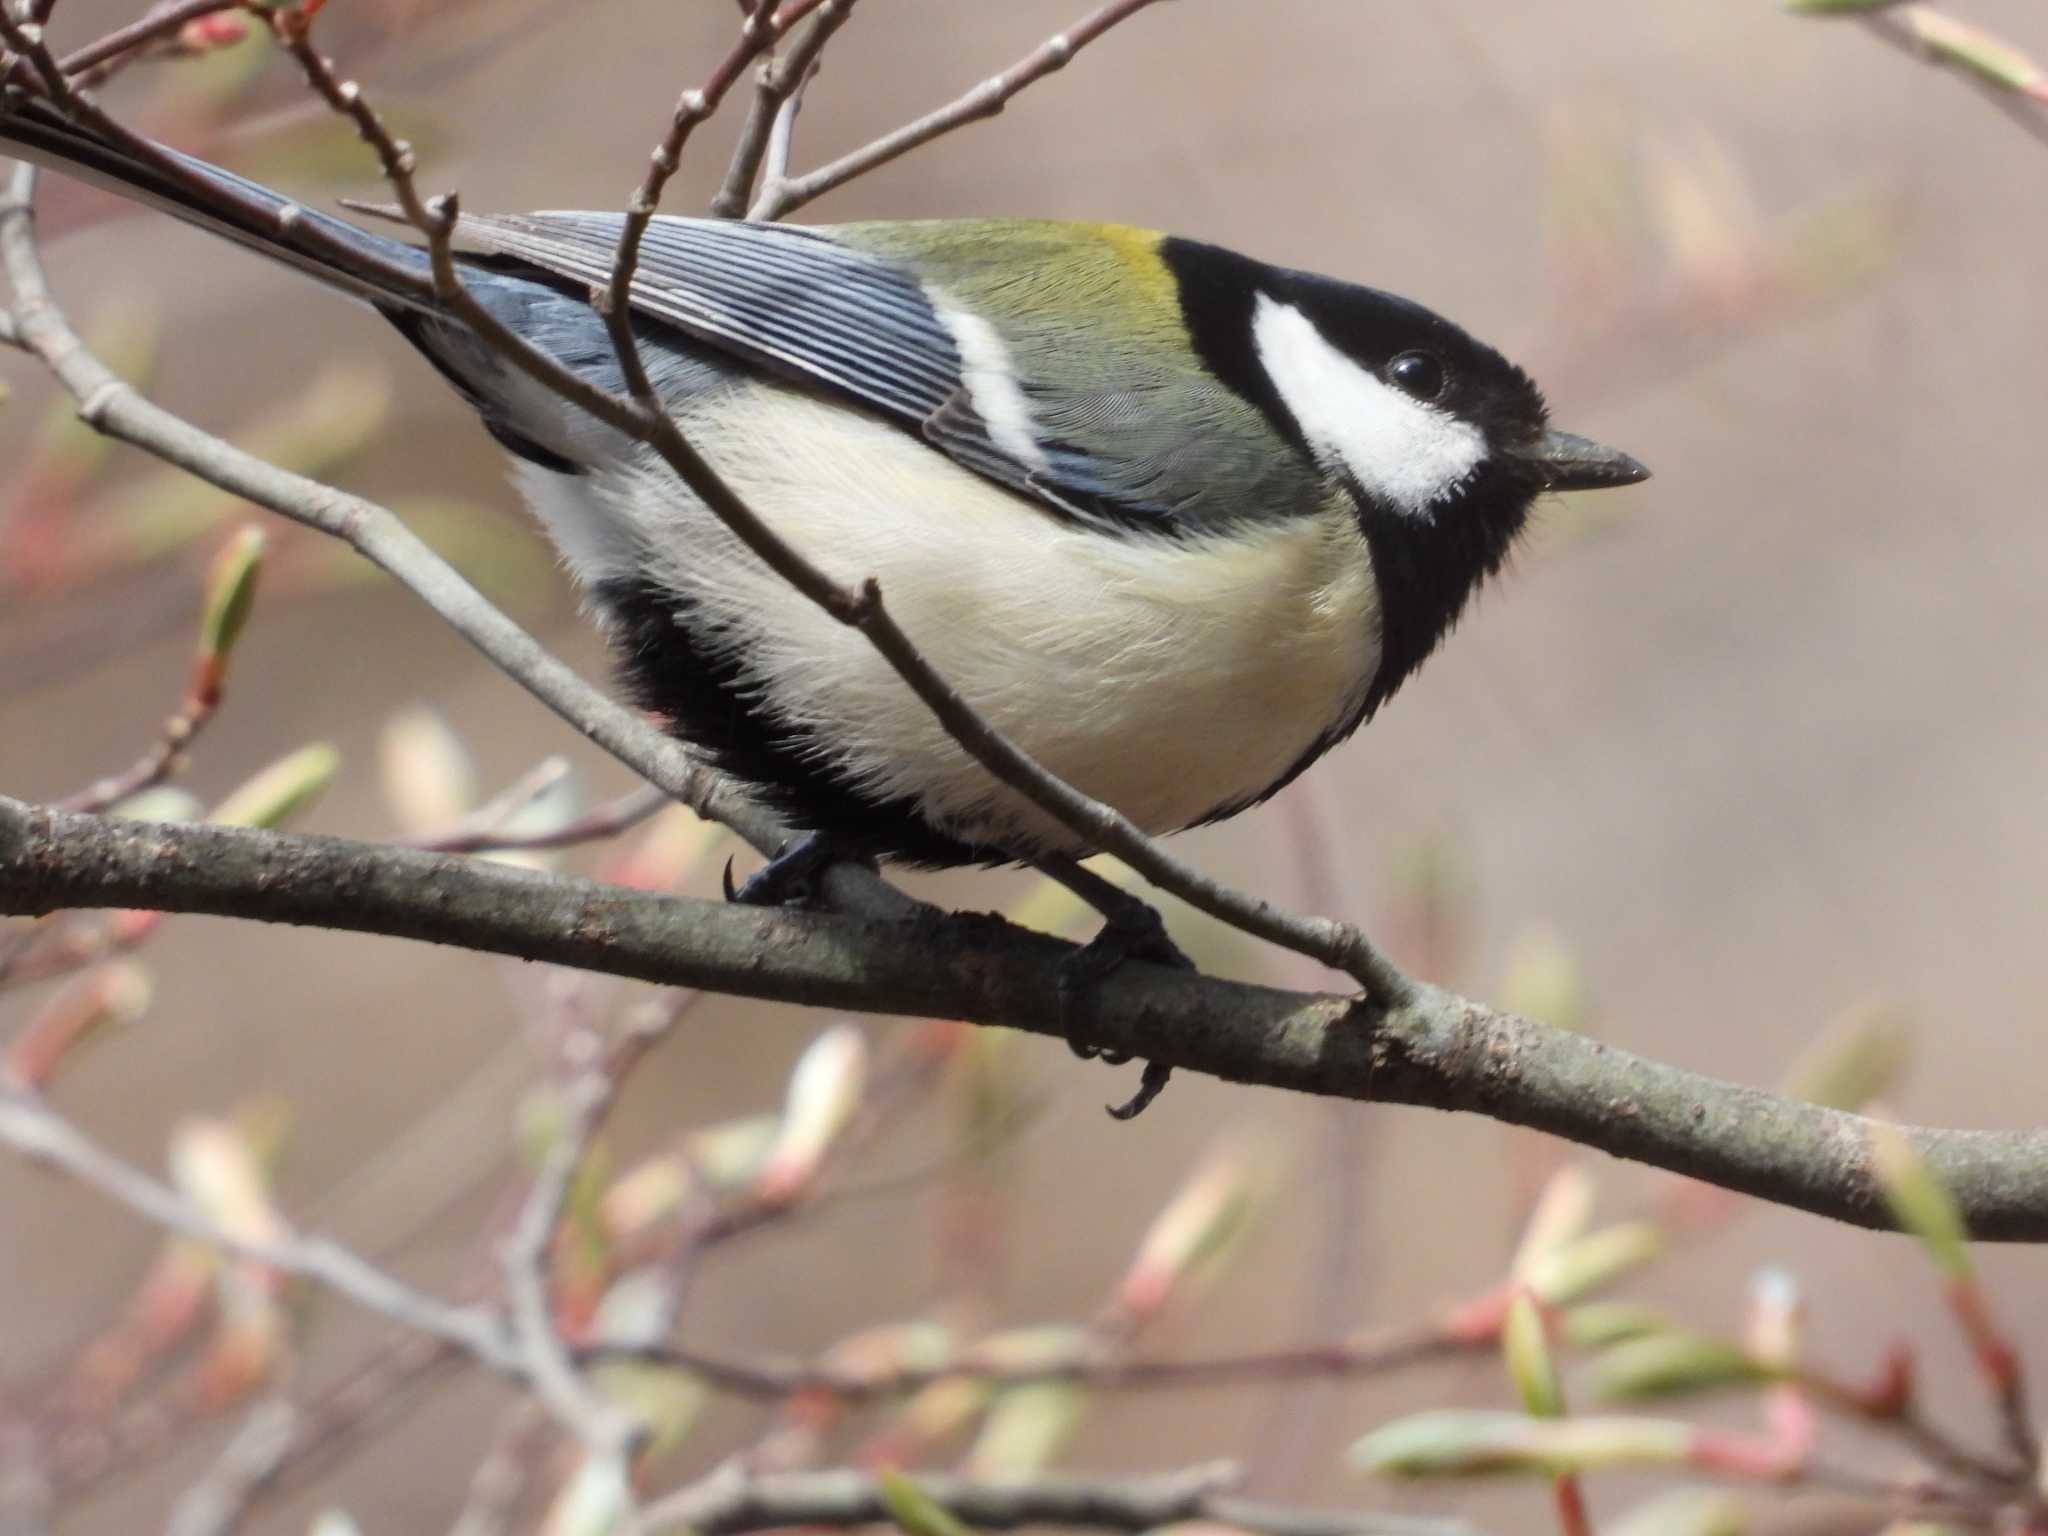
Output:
[[388, 273]]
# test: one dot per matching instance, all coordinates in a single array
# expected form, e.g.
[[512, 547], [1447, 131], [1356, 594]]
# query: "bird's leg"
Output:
[[790, 878], [1131, 930]]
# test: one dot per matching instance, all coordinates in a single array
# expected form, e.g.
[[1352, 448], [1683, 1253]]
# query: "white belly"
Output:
[[1166, 677]]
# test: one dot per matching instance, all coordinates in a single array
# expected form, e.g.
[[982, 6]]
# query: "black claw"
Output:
[[1150, 1085], [788, 879], [725, 881], [1131, 930]]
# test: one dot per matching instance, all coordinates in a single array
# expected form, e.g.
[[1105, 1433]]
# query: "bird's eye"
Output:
[[1420, 374]]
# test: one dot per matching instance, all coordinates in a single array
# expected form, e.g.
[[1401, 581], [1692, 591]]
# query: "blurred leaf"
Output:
[[215, 1166], [890, 1349], [1771, 1332], [675, 844], [429, 777], [1027, 1426], [1020, 1351], [1683, 1512], [1459, 1442], [1192, 1231], [282, 791], [544, 801], [1673, 1364], [1531, 1368], [229, 595], [91, 1006], [1559, 1215], [207, 83], [1859, 1057], [1544, 982], [333, 1522], [826, 1088], [1595, 1261], [160, 802], [1954, 41], [916, 1512], [1703, 209], [645, 1195], [1597, 1324], [596, 1500], [1918, 1200], [731, 1153]]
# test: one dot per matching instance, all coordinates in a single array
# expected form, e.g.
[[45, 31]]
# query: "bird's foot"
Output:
[[1131, 930], [791, 878]]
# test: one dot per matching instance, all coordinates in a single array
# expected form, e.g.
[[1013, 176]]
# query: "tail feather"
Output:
[[333, 251]]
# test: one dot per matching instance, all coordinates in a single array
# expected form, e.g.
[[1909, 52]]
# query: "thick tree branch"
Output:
[[730, 1503], [1436, 1050]]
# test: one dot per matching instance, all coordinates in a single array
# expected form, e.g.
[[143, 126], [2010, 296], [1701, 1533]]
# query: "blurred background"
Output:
[[1721, 761]]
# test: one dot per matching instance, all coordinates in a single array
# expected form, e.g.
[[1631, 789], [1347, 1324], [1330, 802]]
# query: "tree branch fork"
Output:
[[1434, 1049]]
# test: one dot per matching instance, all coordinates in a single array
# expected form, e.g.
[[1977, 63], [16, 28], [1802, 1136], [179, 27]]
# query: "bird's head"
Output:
[[1441, 443]]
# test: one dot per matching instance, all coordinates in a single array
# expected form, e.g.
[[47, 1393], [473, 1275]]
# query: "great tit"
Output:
[[1174, 520]]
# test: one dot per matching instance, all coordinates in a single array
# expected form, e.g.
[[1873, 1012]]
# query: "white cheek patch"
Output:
[[991, 381], [1408, 454]]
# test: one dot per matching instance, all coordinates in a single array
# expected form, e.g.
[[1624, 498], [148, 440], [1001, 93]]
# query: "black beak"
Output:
[[1568, 462]]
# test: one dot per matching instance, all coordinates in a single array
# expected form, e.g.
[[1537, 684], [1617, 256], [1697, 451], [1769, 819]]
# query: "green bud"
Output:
[[1530, 1366], [1594, 1261], [1685, 1512], [916, 1512], [1459, 1442], [1856, 1060], [230, 593], [1919, 1202], [281, 791], [1668, 1364]]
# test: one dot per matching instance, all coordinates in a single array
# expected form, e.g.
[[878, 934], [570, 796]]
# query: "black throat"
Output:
[[1427, 568]]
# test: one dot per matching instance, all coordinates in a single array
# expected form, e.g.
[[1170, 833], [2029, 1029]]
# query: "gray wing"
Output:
[[802, 304]]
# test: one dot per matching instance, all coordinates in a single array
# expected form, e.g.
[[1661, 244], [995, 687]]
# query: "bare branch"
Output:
[[758, 32], [729, 1503], [1435, 1049], [771, 1380], [218, 1502], [2029, 111], [158, 24], [484, 833], [779, 84], [38, 1132], [780, 197]]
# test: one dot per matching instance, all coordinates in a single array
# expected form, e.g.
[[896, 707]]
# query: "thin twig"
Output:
[[589, 1095], [218, 1503], [758, 32], [158, 23], [781, 197], [39, 1133], [486, 834], [773, 1380], [2029, 112], [501, 1477], [779, 83]]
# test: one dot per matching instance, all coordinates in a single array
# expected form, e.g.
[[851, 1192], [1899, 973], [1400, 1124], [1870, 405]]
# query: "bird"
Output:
[[1175, 520]]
